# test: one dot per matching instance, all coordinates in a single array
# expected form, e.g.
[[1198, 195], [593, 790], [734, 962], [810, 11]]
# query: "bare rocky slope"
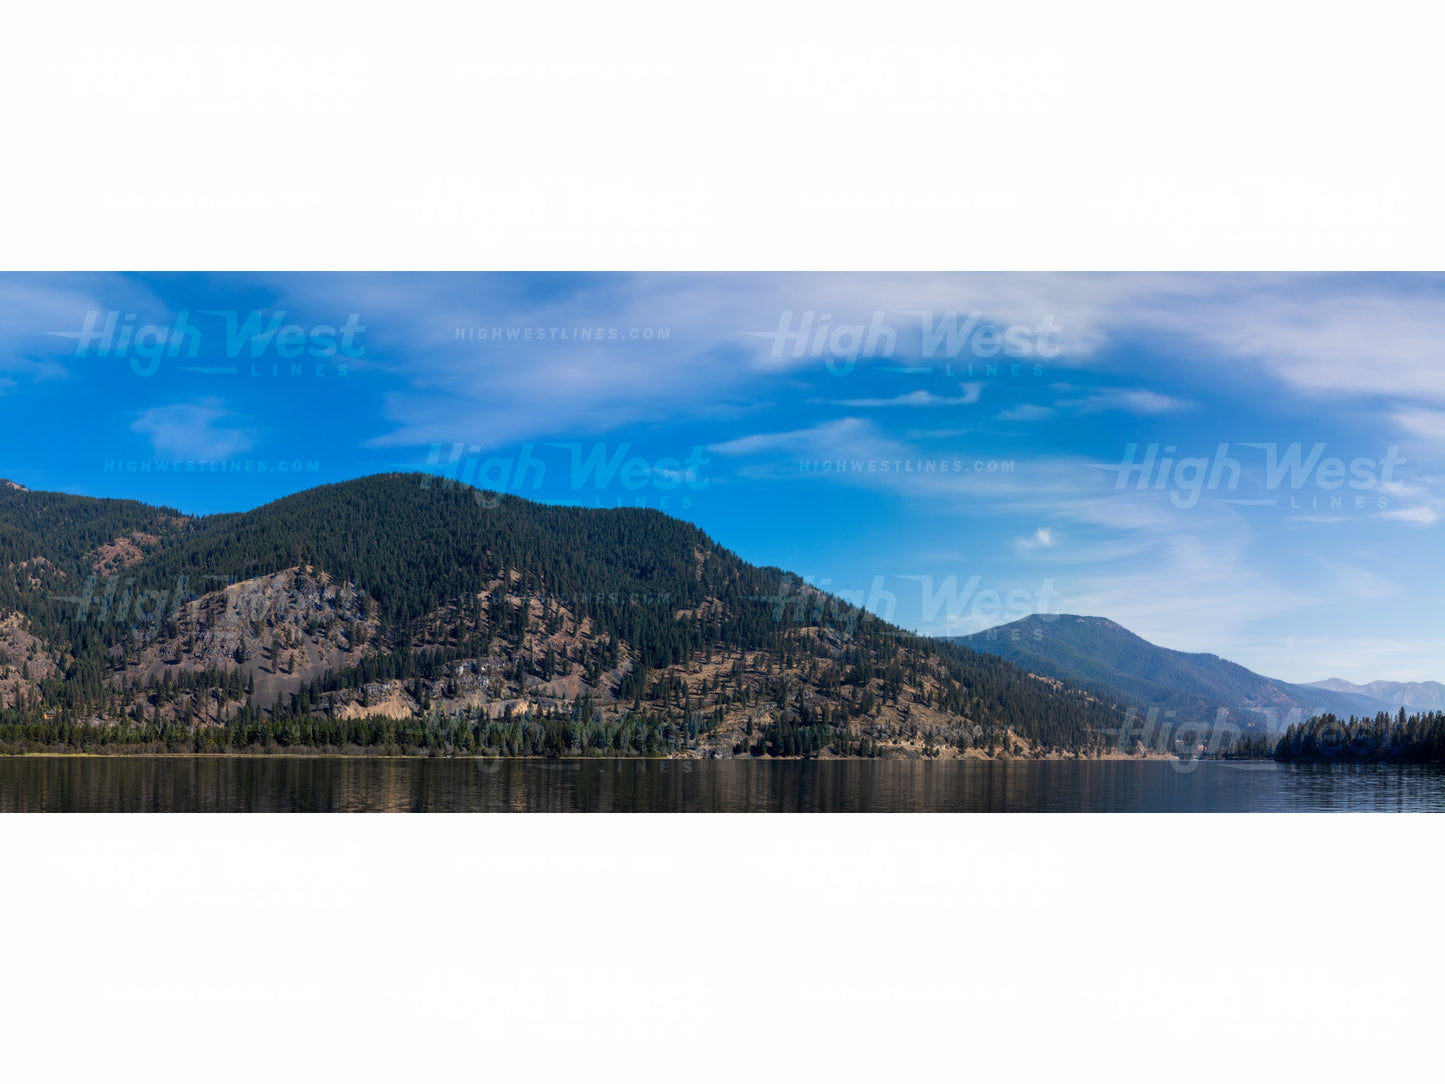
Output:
[[389, 614]]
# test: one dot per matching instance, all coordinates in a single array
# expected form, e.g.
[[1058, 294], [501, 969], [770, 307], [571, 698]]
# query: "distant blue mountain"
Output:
[[1097, 654], [1414, 695]]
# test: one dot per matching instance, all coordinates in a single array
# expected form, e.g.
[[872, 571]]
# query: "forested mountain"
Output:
[[1097, 654], [399, 613]]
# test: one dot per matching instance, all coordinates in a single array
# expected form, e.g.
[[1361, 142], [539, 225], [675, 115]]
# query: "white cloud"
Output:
[[846, 438], [192, 431], [1027, 412], [1040, 539], [1428, 425], [1314, 334], [1418, 514], [34, 309], [1131, 401], [971, 394], [936, 434]]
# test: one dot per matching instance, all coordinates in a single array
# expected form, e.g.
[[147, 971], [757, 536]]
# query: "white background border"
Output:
[[756, 136]]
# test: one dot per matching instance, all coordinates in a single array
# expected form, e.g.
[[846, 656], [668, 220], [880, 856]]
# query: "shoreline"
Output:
[[1110, 758]]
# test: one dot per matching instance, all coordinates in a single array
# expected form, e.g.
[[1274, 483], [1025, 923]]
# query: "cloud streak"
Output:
[[192, 431]]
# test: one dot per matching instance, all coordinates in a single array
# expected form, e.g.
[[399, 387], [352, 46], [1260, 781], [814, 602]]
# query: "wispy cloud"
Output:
[[1126, 400], [1179, 360], [844, 440], [1427, 425], [192, 431], [1419, 514], [1040, 539], [1027, 412], [34, 309], [972, 392]]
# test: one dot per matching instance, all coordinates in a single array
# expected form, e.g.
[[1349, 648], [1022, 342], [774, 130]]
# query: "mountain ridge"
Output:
[[1099, 654], [1425, 695], [400, 613]]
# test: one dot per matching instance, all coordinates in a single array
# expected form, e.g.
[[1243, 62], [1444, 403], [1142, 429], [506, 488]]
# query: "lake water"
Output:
[[278, 784]]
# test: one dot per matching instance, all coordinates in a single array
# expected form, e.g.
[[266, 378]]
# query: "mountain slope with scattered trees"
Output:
[[402, 614]]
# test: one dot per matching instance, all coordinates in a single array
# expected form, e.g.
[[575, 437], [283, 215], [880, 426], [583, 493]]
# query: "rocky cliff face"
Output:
[[386, 599]]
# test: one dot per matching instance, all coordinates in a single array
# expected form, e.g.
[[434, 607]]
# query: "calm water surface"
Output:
[[261, 784]]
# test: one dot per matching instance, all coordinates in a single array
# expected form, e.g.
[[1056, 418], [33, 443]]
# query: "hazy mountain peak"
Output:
[[1422, 695], [1339, 685], [1099, 654]]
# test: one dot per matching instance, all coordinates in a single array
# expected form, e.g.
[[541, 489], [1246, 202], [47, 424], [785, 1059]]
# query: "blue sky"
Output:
[[945, 448]]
